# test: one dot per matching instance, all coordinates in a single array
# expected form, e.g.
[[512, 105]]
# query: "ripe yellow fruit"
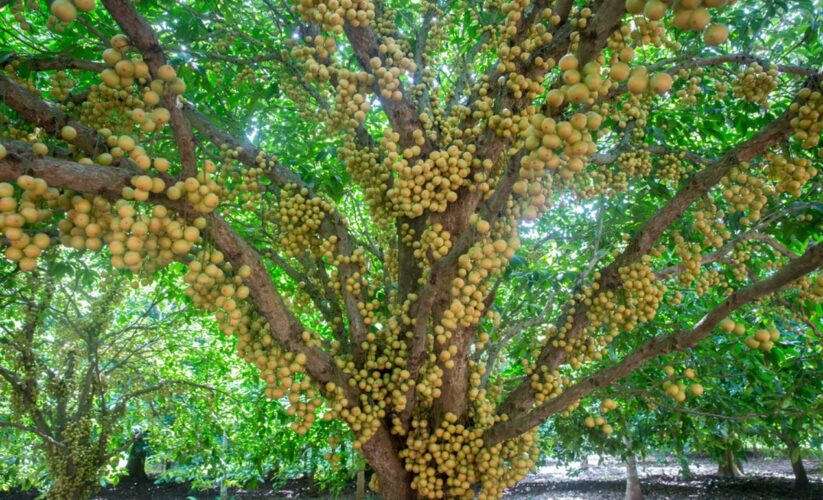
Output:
[[578, 93], [68, 133], [727, 325], [85, 5], [607, 429], [124, 68], [763, 335], [64, 10], [635, 6], [483, 226], [119, 42], [166, 73], [696, 389], [661, 83], [654, 10], [161, 115], [752, 343], [716, 34], [699, 19], [177, 86], [638, 83], [589, 421], [39, 149], [669, 370], [619, 72]]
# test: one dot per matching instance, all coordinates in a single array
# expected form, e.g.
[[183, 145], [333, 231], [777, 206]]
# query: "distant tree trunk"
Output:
[[685, 471], [801, 479], [633, 491], [727, 466], [136, 465], [361, 485]]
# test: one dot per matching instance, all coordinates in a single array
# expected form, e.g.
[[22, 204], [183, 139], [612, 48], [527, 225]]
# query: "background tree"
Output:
[[432, 146], [73, 342]]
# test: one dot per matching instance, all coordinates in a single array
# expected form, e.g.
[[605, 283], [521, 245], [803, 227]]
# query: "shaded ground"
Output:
[[765, 479]]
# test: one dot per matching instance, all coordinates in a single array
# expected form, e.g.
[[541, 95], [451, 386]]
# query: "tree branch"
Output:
[[142, 35], [811, 260]]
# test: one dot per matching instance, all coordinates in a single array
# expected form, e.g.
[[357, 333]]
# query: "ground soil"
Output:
[[764, 479]]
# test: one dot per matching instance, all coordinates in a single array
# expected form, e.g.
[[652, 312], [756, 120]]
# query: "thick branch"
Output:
[[143, 37], [773, 133], [658, 346], [35, 110]]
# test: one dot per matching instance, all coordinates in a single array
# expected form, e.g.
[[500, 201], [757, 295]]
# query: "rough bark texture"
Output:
[[39, 112]]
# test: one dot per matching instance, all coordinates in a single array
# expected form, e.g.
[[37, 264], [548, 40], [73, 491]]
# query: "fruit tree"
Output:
[[441, 222]]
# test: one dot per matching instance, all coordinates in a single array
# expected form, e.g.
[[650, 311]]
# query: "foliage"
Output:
[[439, 224]]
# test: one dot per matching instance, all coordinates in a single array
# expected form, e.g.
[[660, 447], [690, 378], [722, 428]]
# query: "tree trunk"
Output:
[[70, 481], [801, 479], [361, 485], [685, 471], [727, 466], [136, 465], [633, 490], [67, 487], [391, 480]]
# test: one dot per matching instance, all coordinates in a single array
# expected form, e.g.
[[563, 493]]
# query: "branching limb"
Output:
[[811, 260]]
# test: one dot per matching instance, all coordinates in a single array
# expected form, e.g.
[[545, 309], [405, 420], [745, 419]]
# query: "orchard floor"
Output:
[[765, 479]]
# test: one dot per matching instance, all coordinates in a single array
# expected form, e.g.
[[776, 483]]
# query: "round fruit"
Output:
[[166, 73], [68, 133], [85, 5], [64, 10], [716, 34]]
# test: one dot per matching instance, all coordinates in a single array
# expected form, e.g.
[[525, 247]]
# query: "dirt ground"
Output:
[[764, 479]]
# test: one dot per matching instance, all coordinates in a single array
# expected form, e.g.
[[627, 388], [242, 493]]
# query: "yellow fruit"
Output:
[[635, 6], [124, 68], [716, 34], [654, 10], [619, 72], [119, 42], [166, 73], [68, 133], [762, 335], [699, 19], [40, 149], [669, 370], [578, 93], [85, 5], [681, 19], [177, 86], [64, 10], [661, 83], [752, 343], [2, 151], [638, 83], [696, 389], [727, 325]]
